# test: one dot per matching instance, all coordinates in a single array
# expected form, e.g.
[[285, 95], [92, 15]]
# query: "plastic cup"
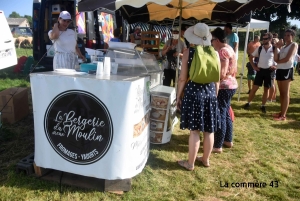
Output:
[[100, 69], [107, 66], [114, 68]]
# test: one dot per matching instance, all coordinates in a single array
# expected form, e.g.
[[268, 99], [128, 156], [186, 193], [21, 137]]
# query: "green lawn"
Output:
[[264, 151]]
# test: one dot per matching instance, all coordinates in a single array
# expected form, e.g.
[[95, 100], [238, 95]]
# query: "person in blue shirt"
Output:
[[232, 39], [116, 37]]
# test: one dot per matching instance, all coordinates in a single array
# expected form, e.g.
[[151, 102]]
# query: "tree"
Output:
[[29, 19], [14, 14], [278, 16]]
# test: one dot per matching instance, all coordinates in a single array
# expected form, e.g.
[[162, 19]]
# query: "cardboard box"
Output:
[[17, 107]]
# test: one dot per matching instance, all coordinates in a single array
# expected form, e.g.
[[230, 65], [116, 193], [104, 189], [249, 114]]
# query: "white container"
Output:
[[107, 66], [114, 68], [100, 70], [93, 58]]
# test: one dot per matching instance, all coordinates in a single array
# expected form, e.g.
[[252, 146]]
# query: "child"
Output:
[[250, 76]]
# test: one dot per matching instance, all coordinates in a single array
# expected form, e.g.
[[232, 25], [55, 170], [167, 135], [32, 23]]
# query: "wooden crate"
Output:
[[114, 186]]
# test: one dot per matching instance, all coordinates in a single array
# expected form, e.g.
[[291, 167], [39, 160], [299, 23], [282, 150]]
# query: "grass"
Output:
[[264, 151]]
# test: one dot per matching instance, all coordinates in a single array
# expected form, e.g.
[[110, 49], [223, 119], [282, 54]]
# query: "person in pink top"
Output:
[[228, 86]]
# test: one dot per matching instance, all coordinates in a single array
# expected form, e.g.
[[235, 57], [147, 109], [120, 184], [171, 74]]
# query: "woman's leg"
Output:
[[284, 90], [280, 88], [194, 143], [249, 85], [220, 133], [208, 143], [229, 127], [274, 94], [173, 77], [271, 91]]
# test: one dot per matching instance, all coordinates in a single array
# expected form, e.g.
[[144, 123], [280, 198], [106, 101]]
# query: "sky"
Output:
[[24, 7]]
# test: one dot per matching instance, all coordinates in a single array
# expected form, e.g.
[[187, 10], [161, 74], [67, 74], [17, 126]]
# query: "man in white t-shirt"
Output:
[[265, 69], [65, 43]]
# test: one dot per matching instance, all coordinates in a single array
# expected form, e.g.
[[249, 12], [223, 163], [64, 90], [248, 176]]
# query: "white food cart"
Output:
[[96, 126]]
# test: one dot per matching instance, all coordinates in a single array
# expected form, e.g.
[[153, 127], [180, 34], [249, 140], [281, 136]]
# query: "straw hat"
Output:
[[198, 34]]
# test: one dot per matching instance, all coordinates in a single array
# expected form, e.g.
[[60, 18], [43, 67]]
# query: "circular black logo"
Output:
[[79, 127]]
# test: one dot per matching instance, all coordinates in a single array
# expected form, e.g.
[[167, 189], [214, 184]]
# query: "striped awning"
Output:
[[158, 10]]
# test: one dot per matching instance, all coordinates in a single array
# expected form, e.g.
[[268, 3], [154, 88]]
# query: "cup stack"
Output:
[[100, 69], [107, 66]]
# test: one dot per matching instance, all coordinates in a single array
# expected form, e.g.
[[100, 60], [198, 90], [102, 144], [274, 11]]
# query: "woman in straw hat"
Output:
[[228, 86], [199, 107]]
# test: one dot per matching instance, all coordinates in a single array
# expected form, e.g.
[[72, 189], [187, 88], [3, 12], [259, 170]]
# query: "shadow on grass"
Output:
[[284, 125], [8, 73], [178, 143], [32, 182]]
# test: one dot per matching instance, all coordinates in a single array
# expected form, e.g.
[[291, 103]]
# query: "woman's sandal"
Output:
[[217, 150], [228, 144], [185, 164], [280, 118], [199, 158], [276, 115]]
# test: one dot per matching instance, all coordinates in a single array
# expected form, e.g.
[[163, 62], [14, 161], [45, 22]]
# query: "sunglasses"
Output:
[[265, 38]]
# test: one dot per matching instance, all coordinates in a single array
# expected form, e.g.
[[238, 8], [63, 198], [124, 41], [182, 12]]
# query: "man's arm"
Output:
[[251, 59], [248, 48], [55, 32], [236, 43]]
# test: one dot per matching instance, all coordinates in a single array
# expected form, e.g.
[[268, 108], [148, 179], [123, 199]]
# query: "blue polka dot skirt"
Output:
[[199, 108]]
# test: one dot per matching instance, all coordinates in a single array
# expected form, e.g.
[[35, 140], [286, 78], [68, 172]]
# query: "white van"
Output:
[[8, 56]]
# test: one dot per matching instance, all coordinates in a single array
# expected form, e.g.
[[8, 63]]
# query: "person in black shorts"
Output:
[[285, 72], [265, 69]]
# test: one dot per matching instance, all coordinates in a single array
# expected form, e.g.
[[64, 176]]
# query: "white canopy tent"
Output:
[[255, 25]]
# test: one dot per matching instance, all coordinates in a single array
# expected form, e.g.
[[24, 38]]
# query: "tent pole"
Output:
[[244, 60], [180, 21]]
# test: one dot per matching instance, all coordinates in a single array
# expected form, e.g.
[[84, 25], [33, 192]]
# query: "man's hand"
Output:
[[178, 104], [56, 24], [256, 68]]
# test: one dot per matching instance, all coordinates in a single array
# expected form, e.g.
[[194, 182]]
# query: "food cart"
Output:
[[96, 126]]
